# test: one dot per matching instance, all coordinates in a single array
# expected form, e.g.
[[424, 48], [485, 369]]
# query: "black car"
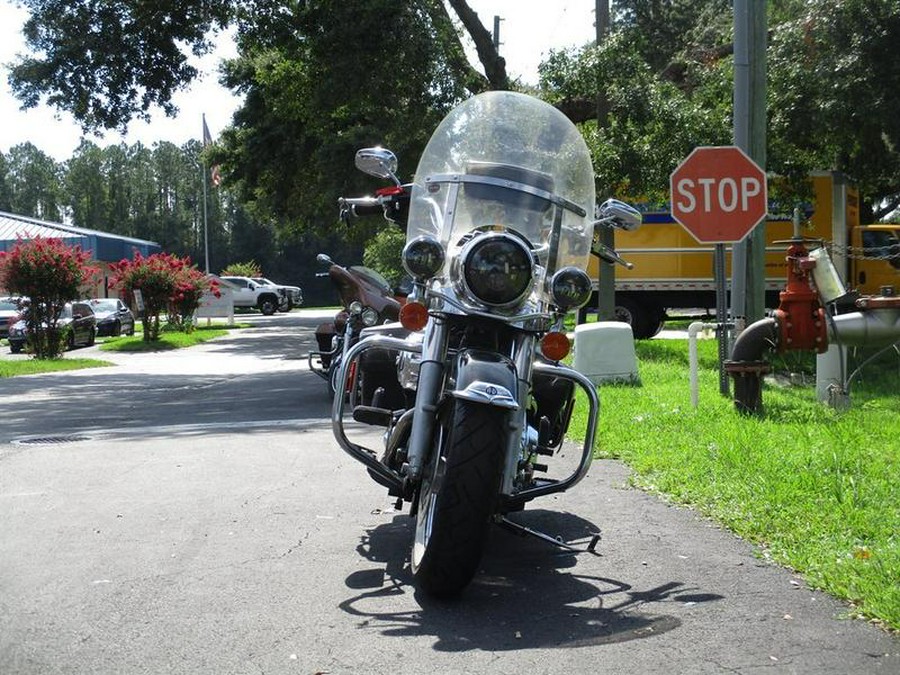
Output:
[[113, 316], [76, 321]]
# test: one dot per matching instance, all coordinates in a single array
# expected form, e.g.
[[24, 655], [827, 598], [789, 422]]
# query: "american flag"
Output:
[[207, 140]]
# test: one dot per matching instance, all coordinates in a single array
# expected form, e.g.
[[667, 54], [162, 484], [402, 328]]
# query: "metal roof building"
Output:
[[103, 246]]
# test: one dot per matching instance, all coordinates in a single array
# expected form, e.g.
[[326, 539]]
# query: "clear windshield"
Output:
[[503, 160]]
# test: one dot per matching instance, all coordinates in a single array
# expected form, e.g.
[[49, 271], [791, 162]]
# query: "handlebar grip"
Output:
[[360, 206]]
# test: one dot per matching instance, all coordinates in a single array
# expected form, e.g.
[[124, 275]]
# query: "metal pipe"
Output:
[[747, 366]]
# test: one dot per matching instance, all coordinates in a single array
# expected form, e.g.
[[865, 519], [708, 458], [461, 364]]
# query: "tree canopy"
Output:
[[321, 79]]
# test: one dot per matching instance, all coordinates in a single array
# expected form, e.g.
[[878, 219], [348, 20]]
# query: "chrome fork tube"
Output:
[[523, 357], [428, 394]]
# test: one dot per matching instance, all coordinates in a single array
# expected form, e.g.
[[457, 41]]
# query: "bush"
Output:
[[49, 273], [166, 283], [244, 269]]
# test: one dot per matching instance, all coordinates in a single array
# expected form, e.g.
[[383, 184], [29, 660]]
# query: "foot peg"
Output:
[[381, 417]]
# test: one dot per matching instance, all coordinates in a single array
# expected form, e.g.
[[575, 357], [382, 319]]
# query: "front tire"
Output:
[[268, 306], [457, 497]]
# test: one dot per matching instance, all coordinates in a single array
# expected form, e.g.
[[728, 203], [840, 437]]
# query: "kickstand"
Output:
[[522, 530]]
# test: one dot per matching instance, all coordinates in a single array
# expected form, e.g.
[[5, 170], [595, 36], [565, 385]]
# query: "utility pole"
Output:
[[497, 21], [606, 288], [748, 256]]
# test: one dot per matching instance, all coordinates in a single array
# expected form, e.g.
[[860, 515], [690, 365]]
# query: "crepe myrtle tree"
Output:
[[190, 286], [49, 273], [166, 283]]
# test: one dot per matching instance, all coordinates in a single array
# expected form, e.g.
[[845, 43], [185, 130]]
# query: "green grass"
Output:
[[816, 489], [167, 340], [35, 366]]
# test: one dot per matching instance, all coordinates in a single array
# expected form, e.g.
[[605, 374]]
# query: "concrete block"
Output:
[[604, 352]]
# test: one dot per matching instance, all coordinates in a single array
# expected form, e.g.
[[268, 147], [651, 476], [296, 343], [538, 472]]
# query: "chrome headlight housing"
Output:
[[496, 269], [570, 287]]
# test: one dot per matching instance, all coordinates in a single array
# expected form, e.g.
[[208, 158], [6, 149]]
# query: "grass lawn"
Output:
[[816, 489], [167, 339]]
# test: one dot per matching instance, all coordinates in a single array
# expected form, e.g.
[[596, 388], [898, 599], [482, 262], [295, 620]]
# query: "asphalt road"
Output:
[[190, 513]]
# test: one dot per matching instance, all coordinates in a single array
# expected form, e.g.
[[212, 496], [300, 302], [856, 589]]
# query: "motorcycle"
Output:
[[367, 299], [500, 227]]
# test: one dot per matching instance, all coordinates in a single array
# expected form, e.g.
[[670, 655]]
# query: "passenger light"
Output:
[[570, 287], [555, 346], [423, 257], [413, 316]]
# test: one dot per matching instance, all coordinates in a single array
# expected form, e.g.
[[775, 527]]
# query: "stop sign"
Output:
[[718, 194]]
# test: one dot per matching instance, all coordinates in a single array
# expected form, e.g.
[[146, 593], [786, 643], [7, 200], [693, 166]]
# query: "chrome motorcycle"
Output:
[[500, 229]]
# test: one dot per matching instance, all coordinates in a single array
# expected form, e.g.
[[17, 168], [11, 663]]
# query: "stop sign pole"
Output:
[[719, 195]]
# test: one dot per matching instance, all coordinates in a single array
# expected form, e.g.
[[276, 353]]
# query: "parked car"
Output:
[[291, 296], [76, 321], [10, 310], [113, 316]]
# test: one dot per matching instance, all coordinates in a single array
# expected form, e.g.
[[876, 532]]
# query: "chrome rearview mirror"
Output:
[[618, 214], [379, 162]]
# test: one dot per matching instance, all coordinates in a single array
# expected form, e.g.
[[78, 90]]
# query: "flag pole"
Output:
[[205, 224]]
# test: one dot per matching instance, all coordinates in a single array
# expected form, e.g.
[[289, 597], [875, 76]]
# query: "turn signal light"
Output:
[[413, 316], [555, 346]]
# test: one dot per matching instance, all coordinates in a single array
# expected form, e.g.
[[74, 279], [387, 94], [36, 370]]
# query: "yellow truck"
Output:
[[673, 272]]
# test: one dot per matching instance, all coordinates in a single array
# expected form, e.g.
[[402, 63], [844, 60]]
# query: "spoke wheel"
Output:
[[457, 497]]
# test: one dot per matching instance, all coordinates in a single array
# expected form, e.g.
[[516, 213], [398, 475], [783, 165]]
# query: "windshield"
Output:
[[372, 277], [101, 305], [503, 160]]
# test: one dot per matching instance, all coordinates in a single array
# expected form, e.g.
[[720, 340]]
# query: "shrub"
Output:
[[190, 286], [49, 273], [166, 283], [242, 269]]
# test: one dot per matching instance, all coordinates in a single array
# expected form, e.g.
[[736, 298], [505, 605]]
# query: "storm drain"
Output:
[[51, 440]]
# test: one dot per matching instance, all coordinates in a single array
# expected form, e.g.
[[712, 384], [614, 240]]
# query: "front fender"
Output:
[[487, 378]]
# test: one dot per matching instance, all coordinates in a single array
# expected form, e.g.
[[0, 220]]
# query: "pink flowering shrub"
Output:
[[166, 283], [49, 273]]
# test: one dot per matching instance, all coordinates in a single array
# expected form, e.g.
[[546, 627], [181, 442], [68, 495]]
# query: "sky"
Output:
[[529, 29]]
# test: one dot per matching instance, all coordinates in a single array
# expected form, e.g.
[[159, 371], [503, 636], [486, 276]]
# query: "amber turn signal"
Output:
[[413, 316], [555, 346]]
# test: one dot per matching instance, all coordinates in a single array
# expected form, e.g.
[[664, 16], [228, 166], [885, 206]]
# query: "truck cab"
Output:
[[875, 259]]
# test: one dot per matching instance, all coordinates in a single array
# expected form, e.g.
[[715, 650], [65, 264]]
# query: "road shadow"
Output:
[[527, 594]]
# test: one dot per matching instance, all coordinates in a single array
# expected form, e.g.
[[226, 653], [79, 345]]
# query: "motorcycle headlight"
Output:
[[369, 317], [423, 257], [570, 287], [497, 269], [355, 308]]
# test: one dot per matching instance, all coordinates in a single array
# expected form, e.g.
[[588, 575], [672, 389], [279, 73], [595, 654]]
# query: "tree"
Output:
[[49, 273], [382, 254], [86, 188], [34, 182], [154, 278], [108, 62], [834, 75]]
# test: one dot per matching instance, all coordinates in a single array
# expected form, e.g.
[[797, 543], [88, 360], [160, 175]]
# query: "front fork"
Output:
[[428, 395]]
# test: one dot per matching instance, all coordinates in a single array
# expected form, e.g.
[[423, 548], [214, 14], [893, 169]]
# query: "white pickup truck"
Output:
[[249, 293], [292, 297]]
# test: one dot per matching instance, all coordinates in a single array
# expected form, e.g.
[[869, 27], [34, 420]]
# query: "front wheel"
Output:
[[268, 306], [457, 497]]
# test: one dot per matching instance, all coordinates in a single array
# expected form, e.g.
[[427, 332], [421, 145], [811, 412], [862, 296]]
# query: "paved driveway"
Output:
[[246, 542]]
